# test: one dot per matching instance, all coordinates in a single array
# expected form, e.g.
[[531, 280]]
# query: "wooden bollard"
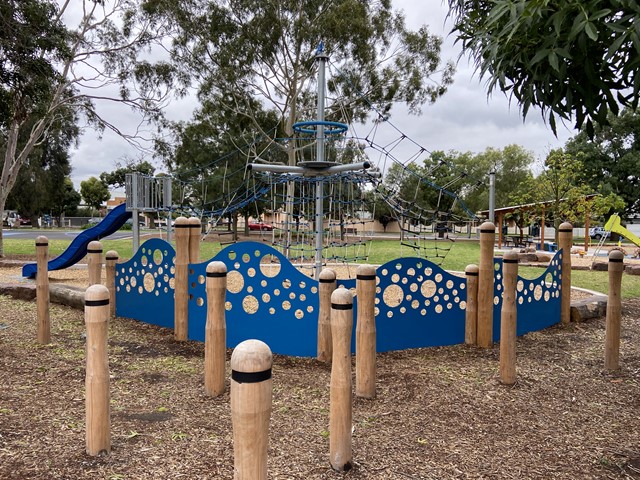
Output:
[[508, 319], [195, 229], [215, 341], [366, 332], [484, 333], [98, 422], [181, 308], [565, 242], [340, 412], [94, 260], [251, 398], [471, 311], [111, 258], [614, 311], [42, 290], [326, 286]]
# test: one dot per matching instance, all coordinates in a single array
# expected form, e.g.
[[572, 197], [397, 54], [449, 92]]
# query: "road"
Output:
[[33, 233]]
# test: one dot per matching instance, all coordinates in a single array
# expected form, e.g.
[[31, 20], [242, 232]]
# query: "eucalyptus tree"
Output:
[[240, 50], [43, 181], [51, 69], [575, 59]]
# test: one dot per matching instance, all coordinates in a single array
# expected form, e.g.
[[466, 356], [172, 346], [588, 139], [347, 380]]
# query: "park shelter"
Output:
[[500, 214]]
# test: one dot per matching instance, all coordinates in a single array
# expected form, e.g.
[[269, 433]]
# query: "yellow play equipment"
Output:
[[613, 225]]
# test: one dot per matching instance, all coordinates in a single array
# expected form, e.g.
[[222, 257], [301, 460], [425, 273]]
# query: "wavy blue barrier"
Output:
[[417, 303]]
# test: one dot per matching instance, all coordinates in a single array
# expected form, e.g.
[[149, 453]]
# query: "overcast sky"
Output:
[[463, 120]]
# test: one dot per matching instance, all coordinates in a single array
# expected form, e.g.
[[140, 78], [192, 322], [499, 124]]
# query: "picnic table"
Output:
[[518, 241]]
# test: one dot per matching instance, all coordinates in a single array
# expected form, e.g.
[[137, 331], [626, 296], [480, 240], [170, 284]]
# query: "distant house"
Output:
[[114, 202]]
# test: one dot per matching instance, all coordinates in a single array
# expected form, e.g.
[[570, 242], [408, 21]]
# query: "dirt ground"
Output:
[[440, 413]]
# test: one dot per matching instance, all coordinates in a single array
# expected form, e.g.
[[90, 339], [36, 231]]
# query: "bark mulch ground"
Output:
[[440, 413]]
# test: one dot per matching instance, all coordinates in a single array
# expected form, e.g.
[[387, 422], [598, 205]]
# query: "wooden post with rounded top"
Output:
[[181, 308], [195, 227], [111, 258], [508, 319], [94, 260], [471, 311], [326, 286], [215, 340], [42, 290], [251, 398], [614, 311], [565, 242], [484, 335], [98, 423], [366, 332], [340, 411]]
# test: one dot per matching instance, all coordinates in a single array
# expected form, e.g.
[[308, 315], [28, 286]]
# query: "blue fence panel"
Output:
[[267, 299], [538, 300], [418, 304], [145, 284]]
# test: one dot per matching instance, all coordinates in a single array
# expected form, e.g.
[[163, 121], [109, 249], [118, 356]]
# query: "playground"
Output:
[[440, 413], [446, 402]]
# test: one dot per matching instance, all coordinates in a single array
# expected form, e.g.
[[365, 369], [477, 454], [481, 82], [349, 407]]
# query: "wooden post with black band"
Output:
[[42, 290], [340, 410], [215, 341], [326, 286], [181, 305], [485, 285], [565, 242], [98, 422], [111, 258], [508, 318], [614, 311], [251, 398], [471, 311], [94, 259], [195, 227], [366, 332]]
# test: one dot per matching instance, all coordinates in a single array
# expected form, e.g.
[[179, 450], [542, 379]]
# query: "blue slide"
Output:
[[78, 248]]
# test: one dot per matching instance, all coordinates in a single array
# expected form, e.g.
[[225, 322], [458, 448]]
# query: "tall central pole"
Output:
[[322, 61]]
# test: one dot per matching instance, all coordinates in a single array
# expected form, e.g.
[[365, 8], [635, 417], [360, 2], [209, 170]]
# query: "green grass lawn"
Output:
[[460, 254]]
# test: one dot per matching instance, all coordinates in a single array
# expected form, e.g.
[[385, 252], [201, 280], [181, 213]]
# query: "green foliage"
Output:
[[94, 192], [116, 178], [611, 159], [512, 167], [463, 174], [243, 50], [571, 58], [563, 188], [33, 38], [43, 184]]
